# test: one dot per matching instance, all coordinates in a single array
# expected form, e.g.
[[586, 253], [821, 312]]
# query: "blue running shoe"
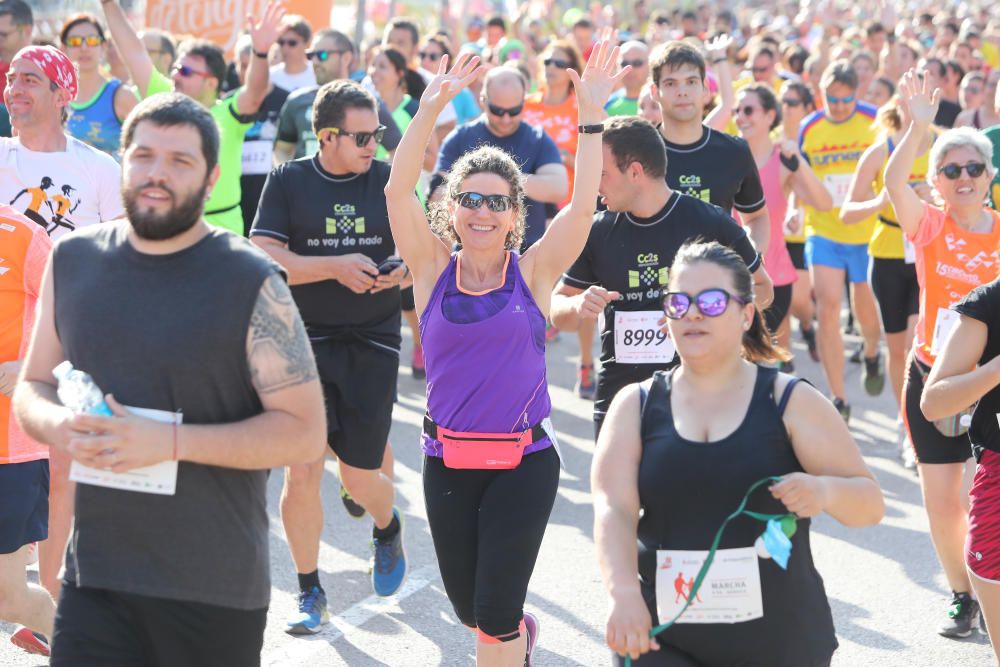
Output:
[[389, 566], [312, 613]]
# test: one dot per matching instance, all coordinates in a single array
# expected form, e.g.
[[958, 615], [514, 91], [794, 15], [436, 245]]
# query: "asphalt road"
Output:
[[884, 583]]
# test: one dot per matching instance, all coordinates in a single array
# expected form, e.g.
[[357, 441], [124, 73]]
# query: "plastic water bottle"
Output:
[[78, 391]]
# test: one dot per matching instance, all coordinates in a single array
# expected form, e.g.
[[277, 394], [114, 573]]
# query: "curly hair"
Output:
[[483, 160]]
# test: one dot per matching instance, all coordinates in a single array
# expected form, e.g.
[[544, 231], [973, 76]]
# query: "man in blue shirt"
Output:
[[501, 126]]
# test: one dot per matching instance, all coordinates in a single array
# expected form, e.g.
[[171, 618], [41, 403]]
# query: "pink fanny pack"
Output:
[[482, 451]]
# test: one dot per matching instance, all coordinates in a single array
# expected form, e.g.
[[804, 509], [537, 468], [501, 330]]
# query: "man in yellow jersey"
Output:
[[198, 73], [833, 139]]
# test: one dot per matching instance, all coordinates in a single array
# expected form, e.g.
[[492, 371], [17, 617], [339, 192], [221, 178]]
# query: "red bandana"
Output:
[[60, 69]]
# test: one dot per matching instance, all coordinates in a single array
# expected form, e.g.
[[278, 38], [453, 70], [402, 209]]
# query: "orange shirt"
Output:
[[950, 263], [560, 123], [24, 250]]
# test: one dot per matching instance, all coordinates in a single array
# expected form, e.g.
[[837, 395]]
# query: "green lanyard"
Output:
[[715, 546]]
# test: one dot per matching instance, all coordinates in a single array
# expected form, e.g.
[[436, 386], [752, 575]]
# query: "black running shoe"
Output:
[[963, 616], [809, 336], [872, 377], [844, 408], [350, 504]]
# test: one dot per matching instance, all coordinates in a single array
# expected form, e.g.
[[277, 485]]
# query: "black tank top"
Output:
[[687, 489]]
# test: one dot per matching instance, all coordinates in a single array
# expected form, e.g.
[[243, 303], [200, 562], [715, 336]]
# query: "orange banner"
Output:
[[222, 21]]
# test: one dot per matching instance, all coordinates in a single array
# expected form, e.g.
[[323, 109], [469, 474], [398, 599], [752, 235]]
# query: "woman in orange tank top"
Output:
[[955, 251]]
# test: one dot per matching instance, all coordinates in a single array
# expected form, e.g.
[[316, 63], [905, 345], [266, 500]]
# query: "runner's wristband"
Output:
[[597, 128], [791, 163]]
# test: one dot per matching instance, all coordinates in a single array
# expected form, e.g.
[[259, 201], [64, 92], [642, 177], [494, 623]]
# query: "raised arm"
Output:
[[130, 47], [862, 202], [718, 56], [923, 107], [564, 239], [419, 247], [262, 35]]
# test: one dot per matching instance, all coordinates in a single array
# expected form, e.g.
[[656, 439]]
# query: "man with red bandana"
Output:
[[35, 167]]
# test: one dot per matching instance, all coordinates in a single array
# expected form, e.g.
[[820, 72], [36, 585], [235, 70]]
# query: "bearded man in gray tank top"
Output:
[[245, 387]]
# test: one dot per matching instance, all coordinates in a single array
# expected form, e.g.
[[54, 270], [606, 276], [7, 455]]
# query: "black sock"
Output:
[[388, 531], [309, 580]]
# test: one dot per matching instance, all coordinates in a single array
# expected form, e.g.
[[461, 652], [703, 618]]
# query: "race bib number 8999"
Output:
[[639, 340]]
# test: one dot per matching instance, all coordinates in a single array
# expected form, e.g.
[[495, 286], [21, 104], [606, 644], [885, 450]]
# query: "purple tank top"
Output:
[[486, 376]]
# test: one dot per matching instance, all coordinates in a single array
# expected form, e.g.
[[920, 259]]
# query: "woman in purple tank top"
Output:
[[491, 469]]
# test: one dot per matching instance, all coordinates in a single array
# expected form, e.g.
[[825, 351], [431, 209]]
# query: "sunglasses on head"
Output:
[[288, 42], [501, 111], [791, 102], [430, 55], [186, 71], [474, 200], [953, 170], [361, 139], [323, 55], [638, 62], [90, 40], [846, 99], [711, 302], [557, 62]]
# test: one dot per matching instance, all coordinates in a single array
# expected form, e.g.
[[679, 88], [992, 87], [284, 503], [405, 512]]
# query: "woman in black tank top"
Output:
[[677, 456]]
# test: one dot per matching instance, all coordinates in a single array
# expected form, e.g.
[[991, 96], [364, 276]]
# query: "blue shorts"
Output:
[[24, 504], [849, 257]]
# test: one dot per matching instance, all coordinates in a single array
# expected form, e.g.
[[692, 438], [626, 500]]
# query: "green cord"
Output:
[[711, 552]]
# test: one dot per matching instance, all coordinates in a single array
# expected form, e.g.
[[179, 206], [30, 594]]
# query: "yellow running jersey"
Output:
[[833, 151], [887, 237]]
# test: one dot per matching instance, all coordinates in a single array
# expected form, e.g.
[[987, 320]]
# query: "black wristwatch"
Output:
[[597, 128], [260, 54], [791, 163]]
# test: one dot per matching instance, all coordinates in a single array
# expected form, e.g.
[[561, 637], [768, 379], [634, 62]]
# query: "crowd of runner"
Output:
[[691, 186]]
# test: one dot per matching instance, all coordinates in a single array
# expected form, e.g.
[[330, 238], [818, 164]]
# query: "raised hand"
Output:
[[446, 84], [265, 32], [719, 47], [598, 82], [916, 96]]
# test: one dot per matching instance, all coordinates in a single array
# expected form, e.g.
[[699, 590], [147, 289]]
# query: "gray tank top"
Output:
[[168, 332]]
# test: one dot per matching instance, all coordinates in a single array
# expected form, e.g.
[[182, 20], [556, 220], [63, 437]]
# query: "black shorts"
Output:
[[406, 299], [929, 444], [797, 251], [99, 627], [778, 310], [24, 504], [894, 283], [359, 388]]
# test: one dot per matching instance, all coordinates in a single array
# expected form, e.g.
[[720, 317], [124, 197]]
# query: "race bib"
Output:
[[838, 185], [946, 321], [730, 592], [638, 339], [909, 252], [257, 158], [160, 479]]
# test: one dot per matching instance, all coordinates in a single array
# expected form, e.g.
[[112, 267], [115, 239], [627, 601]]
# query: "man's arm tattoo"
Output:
[[279, 352]]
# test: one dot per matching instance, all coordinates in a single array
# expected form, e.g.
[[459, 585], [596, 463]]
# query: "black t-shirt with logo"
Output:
[[983, 304], [318, 214], [633, 256], [718, 169]]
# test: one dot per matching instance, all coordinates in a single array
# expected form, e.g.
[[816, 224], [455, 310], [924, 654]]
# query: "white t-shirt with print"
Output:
[[292, 82], [62, 190]]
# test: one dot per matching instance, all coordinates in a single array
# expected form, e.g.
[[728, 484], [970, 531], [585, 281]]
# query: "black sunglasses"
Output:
[[791, 102], [361, 139], [474, 200], [323, 55], [711, 302], [430, 55], [185, 71], [557, 62], [638, 62], [953, 171], [288, 42], [746, 111], [501, 111]]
